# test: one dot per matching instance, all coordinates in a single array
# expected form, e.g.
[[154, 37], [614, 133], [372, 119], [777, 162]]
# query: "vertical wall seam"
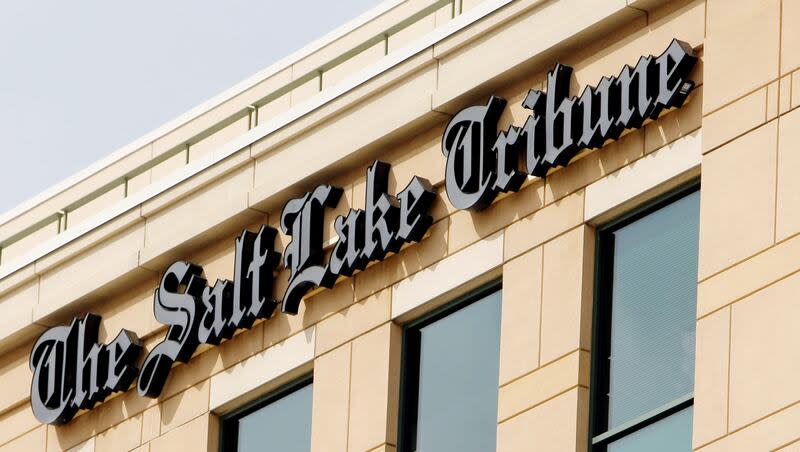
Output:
[[728, 392], [349, 392], [541, 304], [141, 424], [253, 179], [447, 238], [778, 126], [775, 189], [144, 240], [38, 291], [780, 37]]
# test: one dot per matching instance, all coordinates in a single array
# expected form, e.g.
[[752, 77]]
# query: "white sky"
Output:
[[81, 78]]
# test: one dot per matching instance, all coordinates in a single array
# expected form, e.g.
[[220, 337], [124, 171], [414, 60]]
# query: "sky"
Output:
[[79, 79]]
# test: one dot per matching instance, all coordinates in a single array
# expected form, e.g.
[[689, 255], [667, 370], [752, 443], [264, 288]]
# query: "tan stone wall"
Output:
[[540, 241], [748, 363]]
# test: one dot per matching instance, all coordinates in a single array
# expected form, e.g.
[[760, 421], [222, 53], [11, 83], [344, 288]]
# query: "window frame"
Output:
[[601, 328], [228, 422], [410, 360]]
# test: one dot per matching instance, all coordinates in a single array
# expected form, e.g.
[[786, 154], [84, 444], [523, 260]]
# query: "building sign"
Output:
[[71, 371], [481, 163]]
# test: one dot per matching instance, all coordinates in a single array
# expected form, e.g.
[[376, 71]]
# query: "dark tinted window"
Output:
[[450, 384], [280, 422], [646, 330]]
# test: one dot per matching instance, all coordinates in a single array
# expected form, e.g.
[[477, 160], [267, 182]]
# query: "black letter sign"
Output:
[[302, 219], [467, 144], [181, 309], [71, 371], [364, 235], [199, 314], [252, 285], [481, 163]]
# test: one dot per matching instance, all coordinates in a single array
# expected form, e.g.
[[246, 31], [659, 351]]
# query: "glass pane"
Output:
[[671, 434], [459, 368], [282, 426], [653, 310]]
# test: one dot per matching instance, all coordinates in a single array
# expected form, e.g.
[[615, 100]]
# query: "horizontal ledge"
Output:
[[645, 420], [256, 134], [202, 108]]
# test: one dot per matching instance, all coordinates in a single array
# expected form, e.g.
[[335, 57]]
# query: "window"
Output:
[[279, 422], [450, 377], [643, 368]]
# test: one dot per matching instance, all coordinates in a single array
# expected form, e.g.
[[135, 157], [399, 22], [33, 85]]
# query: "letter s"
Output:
[[182, 311]]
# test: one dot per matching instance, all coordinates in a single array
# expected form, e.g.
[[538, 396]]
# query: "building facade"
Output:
[[513, 225]]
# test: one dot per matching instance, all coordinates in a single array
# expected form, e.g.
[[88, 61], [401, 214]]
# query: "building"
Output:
[[617, 271]]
